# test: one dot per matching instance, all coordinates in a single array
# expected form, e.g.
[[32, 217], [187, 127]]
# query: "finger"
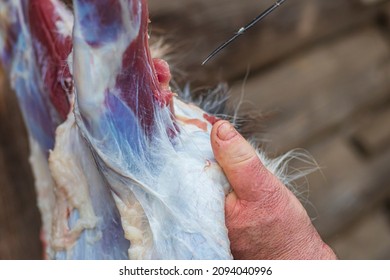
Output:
[[248, 177]]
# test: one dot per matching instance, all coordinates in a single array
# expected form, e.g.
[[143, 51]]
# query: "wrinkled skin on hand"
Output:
[[264, 219]]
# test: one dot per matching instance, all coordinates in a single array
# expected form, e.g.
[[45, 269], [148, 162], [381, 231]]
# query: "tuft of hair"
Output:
[[215, 101], [285, 168], [159, 48]]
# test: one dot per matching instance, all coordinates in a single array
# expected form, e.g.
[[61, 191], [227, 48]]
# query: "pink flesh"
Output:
[[211, 119], [51, 51], [162, 72], [196, 122], [139, 71]]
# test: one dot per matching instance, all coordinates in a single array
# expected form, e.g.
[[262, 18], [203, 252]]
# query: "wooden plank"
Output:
[[19, 216], [337, 160], [343, 198], [196, 27], [338, 163], [319, 89], [348, 185], [373, 136], [367, 239]]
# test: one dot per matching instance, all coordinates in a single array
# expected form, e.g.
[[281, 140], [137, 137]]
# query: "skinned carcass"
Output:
[[124, 168]]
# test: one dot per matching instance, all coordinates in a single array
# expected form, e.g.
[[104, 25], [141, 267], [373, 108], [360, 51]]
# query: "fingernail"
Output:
[[226, 131]]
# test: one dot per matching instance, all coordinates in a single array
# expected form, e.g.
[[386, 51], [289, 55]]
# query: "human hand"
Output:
[[264, 219]]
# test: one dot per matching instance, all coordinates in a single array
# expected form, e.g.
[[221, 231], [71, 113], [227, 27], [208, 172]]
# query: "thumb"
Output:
[[249, 178]]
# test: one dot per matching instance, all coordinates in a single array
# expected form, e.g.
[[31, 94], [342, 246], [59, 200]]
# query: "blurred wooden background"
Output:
[[320, 68]]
